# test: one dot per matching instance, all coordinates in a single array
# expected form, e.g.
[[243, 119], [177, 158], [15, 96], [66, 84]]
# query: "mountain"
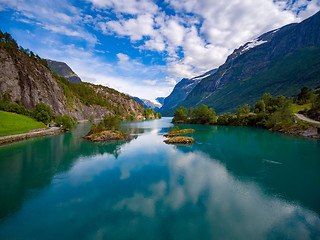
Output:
[[155, 105], [27, 79], [280, 62], [160, 100], [63, 70], [181, 91]]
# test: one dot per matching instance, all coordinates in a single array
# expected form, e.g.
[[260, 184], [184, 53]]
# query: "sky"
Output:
[[144, 47]]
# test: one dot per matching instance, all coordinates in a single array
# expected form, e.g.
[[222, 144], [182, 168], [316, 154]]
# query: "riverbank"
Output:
[[31, 134]]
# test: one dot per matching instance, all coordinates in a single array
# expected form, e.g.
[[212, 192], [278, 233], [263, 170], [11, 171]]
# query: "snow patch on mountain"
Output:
[[254, 43]]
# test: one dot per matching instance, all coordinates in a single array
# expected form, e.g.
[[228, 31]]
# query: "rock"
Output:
[[106, 136], [179, 140]]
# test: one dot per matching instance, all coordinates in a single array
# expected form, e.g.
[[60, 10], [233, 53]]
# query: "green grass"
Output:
[[296, 108], [12, 123]]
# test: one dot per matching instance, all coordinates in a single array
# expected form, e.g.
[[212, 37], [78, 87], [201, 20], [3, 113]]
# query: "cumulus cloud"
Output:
[[136, 28], [187, 37], [150, 82], [201, 33], [123, 58], [133, 7]]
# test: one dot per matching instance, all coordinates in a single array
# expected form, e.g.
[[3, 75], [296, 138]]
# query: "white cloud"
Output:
[[123, 58], [134, 7], [170, 81], [133, 77], [150, 82], [208, 36], [135, 28]]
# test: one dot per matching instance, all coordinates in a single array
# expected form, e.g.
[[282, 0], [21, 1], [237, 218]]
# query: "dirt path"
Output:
[[18, 137], [300, 116]]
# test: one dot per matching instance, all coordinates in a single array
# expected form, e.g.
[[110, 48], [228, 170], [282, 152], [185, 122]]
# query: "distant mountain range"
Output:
[[63, 70], [181, 91], [279, 62], [155, 105]]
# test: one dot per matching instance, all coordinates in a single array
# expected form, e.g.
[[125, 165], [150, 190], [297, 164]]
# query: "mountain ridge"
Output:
[[27, 79], [181, 90], [225, 89], [63, 70]]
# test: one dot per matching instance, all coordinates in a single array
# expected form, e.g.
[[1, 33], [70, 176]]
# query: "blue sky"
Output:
[[144, 47]]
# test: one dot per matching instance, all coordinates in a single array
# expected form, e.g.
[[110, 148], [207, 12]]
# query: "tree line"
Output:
[[271, 113]]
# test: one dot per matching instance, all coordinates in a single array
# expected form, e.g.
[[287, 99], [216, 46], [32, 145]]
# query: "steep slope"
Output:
[[27, 80], [63, 70], [181, 91], [160, 100], [280, 62]]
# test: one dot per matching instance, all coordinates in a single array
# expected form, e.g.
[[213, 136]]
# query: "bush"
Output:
[[67, 122], [176, 129], [58, 121], [42, 113], [180, 114], [111, 123], [42, 116]]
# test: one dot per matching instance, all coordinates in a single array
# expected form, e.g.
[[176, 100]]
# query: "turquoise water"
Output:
[[233, 183]]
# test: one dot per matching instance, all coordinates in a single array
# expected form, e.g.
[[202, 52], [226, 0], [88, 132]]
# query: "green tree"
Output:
[[268, 100], [58, 120], [42, 113], [180, 114], [259, 107], [67, 122], [111, 123], [303, 96], [158, 115]]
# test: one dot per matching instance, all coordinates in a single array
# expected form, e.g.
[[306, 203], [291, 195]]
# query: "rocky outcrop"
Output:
[[63, 70], [180, 140], [29, 82], [106, 135]]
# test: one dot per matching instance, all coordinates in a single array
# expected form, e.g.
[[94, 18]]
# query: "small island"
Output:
[[175, 137], [107, 129], [180, 140]]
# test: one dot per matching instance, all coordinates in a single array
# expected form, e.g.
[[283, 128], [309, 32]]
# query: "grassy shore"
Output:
[[296, 108], [12, 123]]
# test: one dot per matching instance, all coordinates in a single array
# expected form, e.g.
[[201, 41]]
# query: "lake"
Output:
[[232, 183]]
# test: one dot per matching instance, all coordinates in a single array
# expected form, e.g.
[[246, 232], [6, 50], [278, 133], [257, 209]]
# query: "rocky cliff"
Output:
[[28, 81]]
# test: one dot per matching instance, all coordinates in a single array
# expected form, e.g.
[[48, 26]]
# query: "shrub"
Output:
[[42, 113]]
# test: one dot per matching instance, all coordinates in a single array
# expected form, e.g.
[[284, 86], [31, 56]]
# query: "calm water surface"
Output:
[[233, 183]]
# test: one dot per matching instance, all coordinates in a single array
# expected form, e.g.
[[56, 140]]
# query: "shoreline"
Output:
[[311, 132], [31, 134]]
